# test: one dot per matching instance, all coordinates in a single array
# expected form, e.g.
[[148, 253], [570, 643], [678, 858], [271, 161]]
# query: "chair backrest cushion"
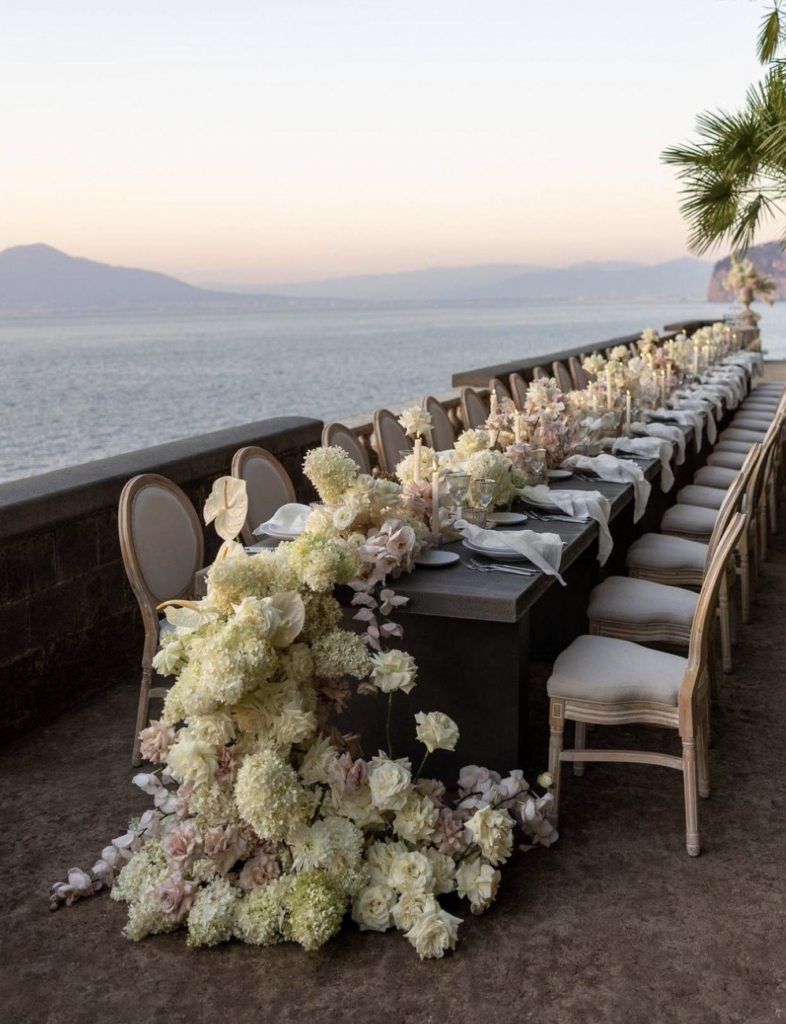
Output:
[[443, 436], [563, 377], [164, 541], [391, 439], [342, 437], [474, 409], [268, 488]]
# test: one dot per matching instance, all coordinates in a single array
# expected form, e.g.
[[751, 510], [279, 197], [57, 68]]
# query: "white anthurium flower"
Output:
[[227, 506], [231, 549], [187, 616]]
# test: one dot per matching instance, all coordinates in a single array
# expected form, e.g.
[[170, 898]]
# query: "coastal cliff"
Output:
[[769, 259]]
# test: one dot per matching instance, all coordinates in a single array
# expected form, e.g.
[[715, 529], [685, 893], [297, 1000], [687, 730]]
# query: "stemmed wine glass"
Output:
[[483, 493], [538, 464], [458, 485]]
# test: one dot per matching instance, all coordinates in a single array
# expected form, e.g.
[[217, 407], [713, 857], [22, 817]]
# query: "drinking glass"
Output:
[[483, 494], [538, 464], [458, 485]]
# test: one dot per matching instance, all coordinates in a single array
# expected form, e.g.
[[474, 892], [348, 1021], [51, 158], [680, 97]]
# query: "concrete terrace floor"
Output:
[[613, 924]]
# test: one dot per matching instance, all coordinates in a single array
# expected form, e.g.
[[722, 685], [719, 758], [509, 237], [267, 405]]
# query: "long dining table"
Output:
[[474, 634]]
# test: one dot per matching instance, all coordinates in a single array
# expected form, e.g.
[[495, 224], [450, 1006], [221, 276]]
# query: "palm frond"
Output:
[[769, 35]]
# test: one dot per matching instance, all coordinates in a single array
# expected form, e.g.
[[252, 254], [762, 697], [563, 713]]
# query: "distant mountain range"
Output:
[[769, 258], [678, 279], [40, 279]]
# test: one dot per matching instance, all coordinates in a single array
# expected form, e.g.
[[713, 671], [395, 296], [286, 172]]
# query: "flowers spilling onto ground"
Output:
[[268, 824]]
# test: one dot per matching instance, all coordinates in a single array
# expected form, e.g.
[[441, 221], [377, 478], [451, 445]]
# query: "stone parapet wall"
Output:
[[69, 623]]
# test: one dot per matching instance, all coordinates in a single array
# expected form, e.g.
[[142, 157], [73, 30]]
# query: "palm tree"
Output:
[[734, 173]]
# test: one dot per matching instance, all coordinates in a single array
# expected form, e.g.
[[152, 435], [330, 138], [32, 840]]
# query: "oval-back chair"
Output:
[[442, 436], [390, 439], [578, 374], [163, 547], [474, 411], [518, 389], [562, 376], [267, 484], [342, 437], [502, 393]]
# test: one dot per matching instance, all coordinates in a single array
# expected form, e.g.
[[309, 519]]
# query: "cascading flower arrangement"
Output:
[[268, 825]]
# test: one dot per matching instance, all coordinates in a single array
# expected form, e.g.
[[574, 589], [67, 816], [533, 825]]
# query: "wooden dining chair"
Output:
[[653, 605], [390, 439], [518, 390], [562, 376], [604, 681], [267, 485], [474, 411], [336, 434], [442, 436], [578, 374], [163, 547], [540, 371]]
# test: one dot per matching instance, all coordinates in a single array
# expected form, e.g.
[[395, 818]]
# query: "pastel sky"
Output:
[[256, 141]]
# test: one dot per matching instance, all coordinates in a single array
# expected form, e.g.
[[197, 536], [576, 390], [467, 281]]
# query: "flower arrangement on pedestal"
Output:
[[749, 284], [269, 825]]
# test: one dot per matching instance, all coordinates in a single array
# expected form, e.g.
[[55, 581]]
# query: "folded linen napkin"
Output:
[[712, 396], [687, 417], [735, 383], [618, 471], [705, 409], [724, 391], [290, 518], [665, 431], [651, 448], [542, 549], [582, 505]]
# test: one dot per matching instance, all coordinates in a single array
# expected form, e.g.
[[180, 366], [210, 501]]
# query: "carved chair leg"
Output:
[[689, 773], [745, 586], [142, 712], [703, 754], [557, 723], [733, 612], [763, 538], [581, 743], [725, 626]]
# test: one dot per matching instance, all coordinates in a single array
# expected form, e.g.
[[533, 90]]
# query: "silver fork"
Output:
[[501, 567]]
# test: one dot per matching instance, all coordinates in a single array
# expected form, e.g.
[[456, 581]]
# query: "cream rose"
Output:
[[493, 832], [477, 881], [389, 782], [443, 868], [394, 670], [436, 731], [372, 908], [411, 907], [433, 933], [411, 872], [416, 819]]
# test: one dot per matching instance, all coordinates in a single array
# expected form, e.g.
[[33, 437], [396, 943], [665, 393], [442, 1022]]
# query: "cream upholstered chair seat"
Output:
[[727, 460], [740, 447], [621, 599], [664, 553], [691, 521], [602, 669], [754, 417], [715, 476], [696, 494], [737, 434]]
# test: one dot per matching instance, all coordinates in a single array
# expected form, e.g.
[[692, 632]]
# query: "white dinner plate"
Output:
[[275, 531], [505, 553], [544, 506], [437, 559], [506, 518], [560, 474]]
